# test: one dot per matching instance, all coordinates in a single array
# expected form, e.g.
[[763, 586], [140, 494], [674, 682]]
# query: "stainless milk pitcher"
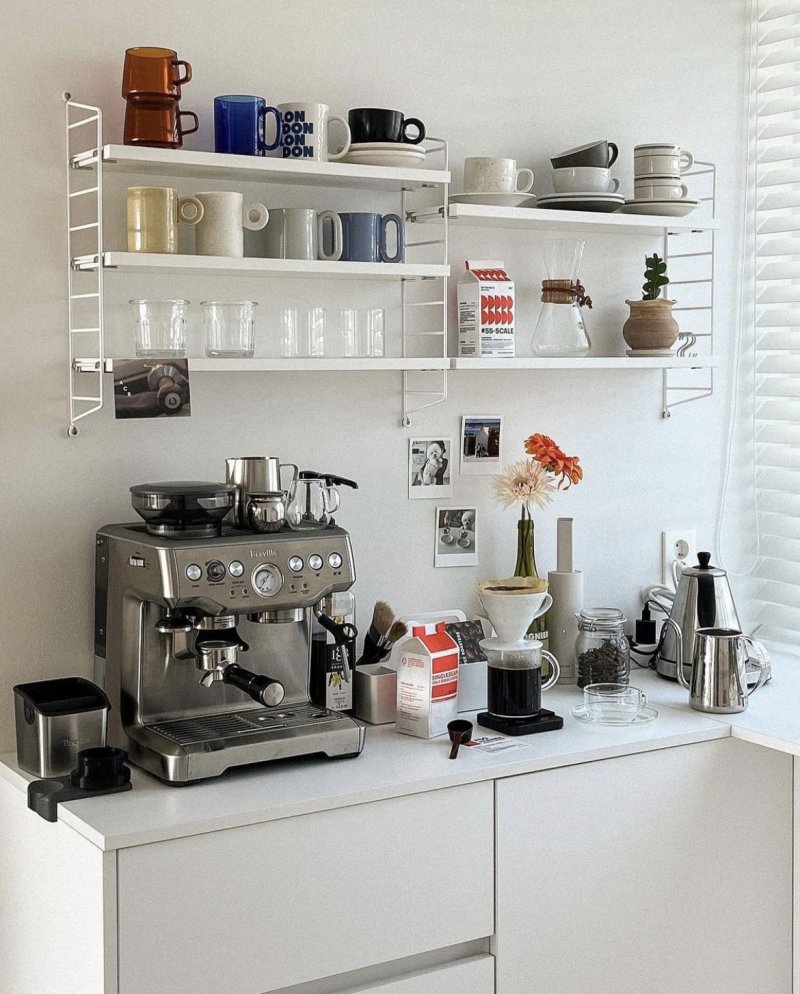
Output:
[[718, 683], [257, 475]]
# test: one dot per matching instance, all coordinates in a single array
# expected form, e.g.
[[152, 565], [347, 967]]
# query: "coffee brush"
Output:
[[384, 631]]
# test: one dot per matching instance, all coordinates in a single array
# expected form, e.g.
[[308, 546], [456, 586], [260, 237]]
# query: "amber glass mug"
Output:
[[153, 71], [157, 123]]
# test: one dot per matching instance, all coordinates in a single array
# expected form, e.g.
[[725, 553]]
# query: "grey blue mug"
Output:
[[365, 236]]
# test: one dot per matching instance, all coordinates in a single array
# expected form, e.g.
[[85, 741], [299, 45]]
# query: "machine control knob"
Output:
[[315, 562], [335, 560], [267, 580], [296, 564], [193, 572], [236, 569], [215, 570]]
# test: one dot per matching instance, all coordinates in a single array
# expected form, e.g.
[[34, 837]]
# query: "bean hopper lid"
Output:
[[183, 508]]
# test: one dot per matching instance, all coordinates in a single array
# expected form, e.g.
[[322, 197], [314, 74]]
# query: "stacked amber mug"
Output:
[[151, 85]]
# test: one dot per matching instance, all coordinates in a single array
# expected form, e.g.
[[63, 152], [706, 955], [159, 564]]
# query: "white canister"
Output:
[[225, 215]]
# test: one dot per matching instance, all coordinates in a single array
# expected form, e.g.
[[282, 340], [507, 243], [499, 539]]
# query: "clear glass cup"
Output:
[[613, 702], [160, 327], [363, 332], [230, 327], [302, 332], [560, 328]]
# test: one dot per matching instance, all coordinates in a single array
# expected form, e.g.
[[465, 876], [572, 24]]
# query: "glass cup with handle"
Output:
[[617, 702], [154, 213], [230, 328], [160, 327], [239, 124], [151, 70]]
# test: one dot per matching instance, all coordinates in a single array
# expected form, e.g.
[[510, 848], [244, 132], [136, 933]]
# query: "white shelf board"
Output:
[[202, 364], [212, 265], [255, 168], [588, 362], [479, 215]]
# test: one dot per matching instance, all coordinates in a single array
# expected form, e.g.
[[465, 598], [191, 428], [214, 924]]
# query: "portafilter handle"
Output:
[[262, 689]]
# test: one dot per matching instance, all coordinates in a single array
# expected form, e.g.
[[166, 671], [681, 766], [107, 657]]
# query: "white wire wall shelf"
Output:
[[313, 364], [209, 265], [250, 169], [587, 362], [484, 216]]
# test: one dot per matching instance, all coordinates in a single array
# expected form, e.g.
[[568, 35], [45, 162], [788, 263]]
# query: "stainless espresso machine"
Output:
[[203, 637]]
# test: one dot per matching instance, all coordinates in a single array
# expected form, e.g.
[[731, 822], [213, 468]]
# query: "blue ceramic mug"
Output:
[[364, 237], [239, 125]]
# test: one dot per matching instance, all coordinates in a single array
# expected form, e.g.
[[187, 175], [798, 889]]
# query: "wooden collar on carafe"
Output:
[[564, 292]]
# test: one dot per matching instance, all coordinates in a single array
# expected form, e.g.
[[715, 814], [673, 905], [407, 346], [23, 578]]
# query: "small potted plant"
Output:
[[651, 328]]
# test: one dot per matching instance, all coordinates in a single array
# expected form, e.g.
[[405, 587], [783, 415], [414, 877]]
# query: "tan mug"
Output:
[[153, 216]]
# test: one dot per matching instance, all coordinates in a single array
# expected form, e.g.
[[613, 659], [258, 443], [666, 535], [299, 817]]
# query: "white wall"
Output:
[[518, 78]]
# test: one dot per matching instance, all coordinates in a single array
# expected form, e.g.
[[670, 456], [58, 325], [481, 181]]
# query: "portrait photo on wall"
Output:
[[481, 444], [429, 467], [456, 537]]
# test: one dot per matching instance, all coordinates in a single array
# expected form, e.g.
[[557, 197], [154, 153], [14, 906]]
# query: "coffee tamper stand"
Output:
[[99, 771]]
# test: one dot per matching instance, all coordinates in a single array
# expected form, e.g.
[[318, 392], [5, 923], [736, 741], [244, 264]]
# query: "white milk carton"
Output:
[[427, 682], [486, 311]]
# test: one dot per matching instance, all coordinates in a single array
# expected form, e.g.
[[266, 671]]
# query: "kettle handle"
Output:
[[678, 652], [761, 663]]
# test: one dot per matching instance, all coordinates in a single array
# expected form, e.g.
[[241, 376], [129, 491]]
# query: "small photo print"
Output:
[[151, 388], [429, 467], [481, 440], [456, 537]]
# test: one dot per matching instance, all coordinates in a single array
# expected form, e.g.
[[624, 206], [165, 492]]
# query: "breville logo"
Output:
[[261, 553]]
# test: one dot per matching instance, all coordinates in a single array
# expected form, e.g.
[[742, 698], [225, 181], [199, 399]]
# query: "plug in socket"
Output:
[[680, 544]]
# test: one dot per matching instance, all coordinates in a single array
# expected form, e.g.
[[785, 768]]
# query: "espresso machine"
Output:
[[203, 635]]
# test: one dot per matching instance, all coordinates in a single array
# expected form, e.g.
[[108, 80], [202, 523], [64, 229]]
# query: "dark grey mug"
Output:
[[364, 237]]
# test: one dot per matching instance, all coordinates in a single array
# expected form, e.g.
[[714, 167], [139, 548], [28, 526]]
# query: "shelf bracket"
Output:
[[84, 208], [429, 386]]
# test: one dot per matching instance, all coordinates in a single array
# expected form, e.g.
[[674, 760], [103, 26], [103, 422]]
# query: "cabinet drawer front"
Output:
[[473, 976], [258, 908]]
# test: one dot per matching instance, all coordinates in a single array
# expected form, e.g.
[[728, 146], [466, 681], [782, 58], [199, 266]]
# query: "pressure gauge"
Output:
[[267, 580]]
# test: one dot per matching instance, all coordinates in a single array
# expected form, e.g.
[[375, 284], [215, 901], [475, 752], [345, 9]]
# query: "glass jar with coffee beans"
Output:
[[602, 649]]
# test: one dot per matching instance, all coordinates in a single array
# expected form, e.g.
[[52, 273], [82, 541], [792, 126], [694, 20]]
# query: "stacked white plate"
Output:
[[401, 154], [602, 202], [664, 208], [495, 199]]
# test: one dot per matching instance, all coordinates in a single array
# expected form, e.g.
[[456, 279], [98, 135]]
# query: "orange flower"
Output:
[[545, 451]]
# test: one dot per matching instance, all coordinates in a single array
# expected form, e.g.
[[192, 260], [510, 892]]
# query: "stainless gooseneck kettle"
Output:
[[703, 600]]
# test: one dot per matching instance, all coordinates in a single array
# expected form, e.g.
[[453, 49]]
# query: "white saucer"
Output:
[[603, 202], [495, 199], [665, 208], [646, 714], [633, 353], [385, 154]]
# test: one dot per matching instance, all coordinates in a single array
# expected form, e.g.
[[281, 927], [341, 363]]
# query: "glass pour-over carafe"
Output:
[[560, 328]]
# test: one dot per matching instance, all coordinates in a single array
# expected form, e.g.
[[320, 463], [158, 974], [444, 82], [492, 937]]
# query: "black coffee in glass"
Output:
[[376, 124], [514, 693]]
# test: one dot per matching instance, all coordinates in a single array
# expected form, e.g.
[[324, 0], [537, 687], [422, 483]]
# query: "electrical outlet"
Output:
[[680, 544]]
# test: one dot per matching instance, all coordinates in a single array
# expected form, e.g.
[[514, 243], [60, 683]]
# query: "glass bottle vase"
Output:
[[526, 566]]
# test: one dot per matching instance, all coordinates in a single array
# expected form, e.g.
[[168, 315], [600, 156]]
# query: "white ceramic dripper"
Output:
[[511, 605]]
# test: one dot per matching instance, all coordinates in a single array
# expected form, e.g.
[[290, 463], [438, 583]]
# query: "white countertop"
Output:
[[391, 765]]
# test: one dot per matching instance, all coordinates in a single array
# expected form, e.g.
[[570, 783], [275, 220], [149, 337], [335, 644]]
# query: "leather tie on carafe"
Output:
[[706, 593], [564, 292]]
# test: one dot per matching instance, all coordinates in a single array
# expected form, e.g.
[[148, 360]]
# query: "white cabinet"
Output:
[[668, 872], [472, 976], [262, 907]]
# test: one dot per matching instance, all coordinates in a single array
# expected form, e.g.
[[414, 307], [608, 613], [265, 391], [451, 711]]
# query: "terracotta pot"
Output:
[[650, 325]]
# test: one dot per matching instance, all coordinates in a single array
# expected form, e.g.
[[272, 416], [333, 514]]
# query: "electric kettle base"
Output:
[[544, 721]]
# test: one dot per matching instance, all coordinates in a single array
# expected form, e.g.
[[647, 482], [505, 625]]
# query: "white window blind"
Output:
[[776, 129]]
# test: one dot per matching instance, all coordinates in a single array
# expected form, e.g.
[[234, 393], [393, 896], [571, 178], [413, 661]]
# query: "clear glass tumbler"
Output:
[[363, 332], [303, 332], [230, 327], [160, 327]]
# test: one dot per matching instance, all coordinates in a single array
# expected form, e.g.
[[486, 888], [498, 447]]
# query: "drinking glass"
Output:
[[615, 702], [362, 332], [230, 328], [303, 332], [160, 327]]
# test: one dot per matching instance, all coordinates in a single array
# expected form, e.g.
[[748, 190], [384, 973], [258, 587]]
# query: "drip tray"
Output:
[[236, 724]]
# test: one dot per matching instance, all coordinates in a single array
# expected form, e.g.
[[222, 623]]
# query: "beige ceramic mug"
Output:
[[153, 216], [225, 216]]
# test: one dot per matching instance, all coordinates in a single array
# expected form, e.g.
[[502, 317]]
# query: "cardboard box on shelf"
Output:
[[486, 311]]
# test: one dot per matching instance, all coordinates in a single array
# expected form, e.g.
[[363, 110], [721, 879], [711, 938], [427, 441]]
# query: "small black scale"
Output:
[[529, 724]]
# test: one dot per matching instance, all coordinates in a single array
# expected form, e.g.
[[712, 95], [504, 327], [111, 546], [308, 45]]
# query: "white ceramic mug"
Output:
[[483, 174], [305, 133], [661, 160], [296, 233], [659, 188], [584, 179], [225, 215]]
